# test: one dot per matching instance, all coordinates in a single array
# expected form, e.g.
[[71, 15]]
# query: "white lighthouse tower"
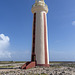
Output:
[[40, 41], [40, 54]]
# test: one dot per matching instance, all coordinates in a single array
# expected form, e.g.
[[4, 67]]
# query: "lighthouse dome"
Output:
[[39, 6]]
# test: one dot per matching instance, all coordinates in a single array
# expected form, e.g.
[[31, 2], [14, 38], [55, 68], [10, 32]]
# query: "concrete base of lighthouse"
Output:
[[44, 65], [32, 64]]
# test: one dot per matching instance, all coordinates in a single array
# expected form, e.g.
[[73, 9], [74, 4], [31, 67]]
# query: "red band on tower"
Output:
[[33, 58], [45, 39]]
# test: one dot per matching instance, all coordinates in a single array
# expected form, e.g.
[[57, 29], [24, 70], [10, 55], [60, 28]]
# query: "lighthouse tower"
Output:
[[39, 56], [40, 41]]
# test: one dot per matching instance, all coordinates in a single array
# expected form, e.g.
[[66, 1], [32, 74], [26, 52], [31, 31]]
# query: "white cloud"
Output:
[[21, 55], [4, 44], [62, 55], [73, 23]]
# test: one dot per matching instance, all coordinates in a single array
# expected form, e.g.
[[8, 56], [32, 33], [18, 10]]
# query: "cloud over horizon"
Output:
[[73, 23], [23, 55], [4, 44]]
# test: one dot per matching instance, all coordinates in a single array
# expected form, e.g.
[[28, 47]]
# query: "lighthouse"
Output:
[[40, 54]]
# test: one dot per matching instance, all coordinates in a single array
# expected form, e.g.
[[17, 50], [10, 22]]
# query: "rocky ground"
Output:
[[54, 69]]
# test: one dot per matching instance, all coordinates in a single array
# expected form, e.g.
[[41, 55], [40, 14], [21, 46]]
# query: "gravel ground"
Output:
[[54, 69]]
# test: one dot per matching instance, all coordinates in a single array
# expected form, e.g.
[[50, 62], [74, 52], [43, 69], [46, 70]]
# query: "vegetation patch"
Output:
[[6, 66], [9, 62]]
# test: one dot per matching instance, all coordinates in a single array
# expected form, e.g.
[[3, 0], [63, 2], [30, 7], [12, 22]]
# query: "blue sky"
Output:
[[16, 21]]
